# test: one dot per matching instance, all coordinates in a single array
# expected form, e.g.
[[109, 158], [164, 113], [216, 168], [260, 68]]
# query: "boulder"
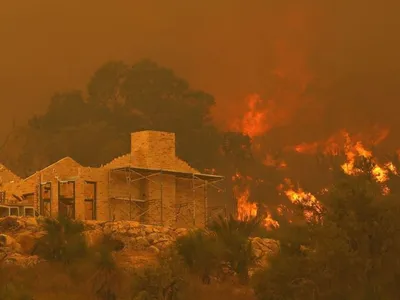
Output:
[[9, 242], [263, 249], [31, 223], [154, 249], [90, 224], [27, 241], [19, 260], [10, 223], [134, 232], [134, 224], [93, 237], [141, 243], [181, 231], [164, 230], [153, 237], [148, 229]]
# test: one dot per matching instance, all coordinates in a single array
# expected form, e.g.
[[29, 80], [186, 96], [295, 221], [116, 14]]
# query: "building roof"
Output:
[[66, 159], [125, 161], [6, 175], [179, 168]]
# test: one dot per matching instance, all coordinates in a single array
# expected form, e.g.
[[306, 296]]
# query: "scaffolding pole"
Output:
[[128, 195], [194, 200], [204, 185], [109, 196], [147, 175], [161, 200], [205, 203]]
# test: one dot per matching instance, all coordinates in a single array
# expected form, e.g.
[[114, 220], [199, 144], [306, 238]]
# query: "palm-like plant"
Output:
[[164, 281], [106, 279], [234, 235], [224, 227], [63, 240], [200, 252]]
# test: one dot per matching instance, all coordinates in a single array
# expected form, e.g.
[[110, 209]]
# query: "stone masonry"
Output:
[[19, 235], [149, 185]]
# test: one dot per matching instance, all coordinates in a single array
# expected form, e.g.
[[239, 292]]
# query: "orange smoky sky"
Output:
[[321, 64]]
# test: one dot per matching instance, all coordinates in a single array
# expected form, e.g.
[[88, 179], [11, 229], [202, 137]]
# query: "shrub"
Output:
[[107, 277], [63, 240], [11, 284], [165, 281], [201, 252], [234, 236]]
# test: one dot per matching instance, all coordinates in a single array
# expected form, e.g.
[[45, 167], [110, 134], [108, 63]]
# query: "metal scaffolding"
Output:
[[149, 201]]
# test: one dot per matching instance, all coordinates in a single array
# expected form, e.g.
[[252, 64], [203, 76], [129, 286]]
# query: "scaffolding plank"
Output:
[[208, 177]]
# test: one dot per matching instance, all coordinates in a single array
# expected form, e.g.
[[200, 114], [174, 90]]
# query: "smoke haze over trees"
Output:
[[344, 53], [318, 67], [121, 99], [93, 126]]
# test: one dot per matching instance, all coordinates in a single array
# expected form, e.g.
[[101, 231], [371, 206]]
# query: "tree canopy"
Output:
[[93, 126]]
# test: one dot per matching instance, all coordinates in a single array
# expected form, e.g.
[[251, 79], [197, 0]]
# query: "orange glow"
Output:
[[271, 162], [353, 148], [357, 149], [260, 116], [269, 222], [297, 195], [245, 209], [210, 171], [253, 122]]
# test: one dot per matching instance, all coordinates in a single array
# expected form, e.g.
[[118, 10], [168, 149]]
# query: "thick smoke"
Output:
[[318, 67], [344, 52]]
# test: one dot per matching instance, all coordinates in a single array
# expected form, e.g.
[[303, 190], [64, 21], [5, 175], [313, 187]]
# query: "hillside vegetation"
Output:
[[345, 248]]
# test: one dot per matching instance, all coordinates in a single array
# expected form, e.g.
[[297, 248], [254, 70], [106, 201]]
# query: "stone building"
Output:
[[7, 178], [150, 184]]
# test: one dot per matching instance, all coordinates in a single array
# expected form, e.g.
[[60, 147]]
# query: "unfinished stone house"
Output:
[[7, 178], [150, 185]]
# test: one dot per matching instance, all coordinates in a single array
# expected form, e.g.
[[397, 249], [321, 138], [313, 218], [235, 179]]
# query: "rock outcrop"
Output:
[[18, 237], [263, 250]]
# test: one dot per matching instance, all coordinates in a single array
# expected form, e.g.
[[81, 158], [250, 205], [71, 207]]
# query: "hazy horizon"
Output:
[[346, 53]]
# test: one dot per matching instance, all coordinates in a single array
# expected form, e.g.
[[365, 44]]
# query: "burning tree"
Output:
[[351, 254]]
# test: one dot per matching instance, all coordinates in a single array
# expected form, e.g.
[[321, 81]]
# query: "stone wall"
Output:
[[135, 235], [165, 193], [190, 202], [153, 149], [67, 169], [126, 185], [18, 237]]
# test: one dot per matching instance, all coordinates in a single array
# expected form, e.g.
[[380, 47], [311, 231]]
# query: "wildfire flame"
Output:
[[299, 196], [353, 148], [254, 122], [245, 209], [261, 116]]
